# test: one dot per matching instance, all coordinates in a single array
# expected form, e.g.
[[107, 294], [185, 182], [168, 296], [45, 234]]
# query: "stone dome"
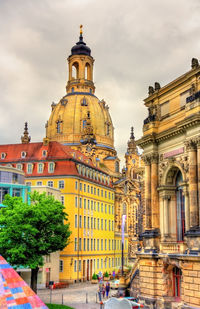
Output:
[[68, 120]]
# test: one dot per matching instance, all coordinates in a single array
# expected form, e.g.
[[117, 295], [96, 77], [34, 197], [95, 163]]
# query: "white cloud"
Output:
[[134, 43]]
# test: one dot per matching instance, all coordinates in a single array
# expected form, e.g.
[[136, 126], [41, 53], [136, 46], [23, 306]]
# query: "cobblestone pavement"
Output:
[[75, 296]]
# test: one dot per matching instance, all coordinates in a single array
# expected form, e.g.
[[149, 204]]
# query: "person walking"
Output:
[[107, 289], [103, 290], [100, 293]]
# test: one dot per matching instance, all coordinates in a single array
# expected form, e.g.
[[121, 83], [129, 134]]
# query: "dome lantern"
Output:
[[80, 64]]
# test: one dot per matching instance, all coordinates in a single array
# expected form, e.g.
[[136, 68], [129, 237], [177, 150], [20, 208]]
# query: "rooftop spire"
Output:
[[132, 133], [25, 138]]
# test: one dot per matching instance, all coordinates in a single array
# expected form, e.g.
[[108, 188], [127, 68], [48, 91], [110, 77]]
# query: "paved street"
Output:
[[75, 296]]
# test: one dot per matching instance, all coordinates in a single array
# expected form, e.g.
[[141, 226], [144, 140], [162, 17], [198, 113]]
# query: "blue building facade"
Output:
[[12, 183]]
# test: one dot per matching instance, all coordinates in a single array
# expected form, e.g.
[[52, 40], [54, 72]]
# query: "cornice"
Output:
[[169, 87], [179, 128]]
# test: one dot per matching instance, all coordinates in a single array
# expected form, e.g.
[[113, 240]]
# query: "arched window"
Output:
[[84, 123], [84, 102], [117, 166], [107, 129], [59, 126], [75, 70], [87, 71], [177, 282]]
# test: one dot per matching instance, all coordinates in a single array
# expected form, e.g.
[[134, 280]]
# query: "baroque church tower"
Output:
[[80, 120]]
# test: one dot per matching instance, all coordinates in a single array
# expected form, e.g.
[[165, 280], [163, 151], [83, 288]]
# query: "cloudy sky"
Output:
[[134, 43]]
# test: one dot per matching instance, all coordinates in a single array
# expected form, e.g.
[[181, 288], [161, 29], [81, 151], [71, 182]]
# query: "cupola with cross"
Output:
[[80, 68]]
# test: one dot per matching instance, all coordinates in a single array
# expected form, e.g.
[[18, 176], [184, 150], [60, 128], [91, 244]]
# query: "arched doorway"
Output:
[[180, 208], [173, 205]]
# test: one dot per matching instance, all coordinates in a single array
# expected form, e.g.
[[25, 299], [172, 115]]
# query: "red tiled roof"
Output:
[[64, 157], [34, 151]]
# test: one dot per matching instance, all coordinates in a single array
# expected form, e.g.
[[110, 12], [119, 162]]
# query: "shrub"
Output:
[[106, 274], [94, 276]]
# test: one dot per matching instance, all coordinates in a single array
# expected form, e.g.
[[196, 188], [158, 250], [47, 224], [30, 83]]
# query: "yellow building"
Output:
[[170, 259], [88, 196]]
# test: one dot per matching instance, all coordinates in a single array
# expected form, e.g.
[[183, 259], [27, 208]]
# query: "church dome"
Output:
[[69, 117]]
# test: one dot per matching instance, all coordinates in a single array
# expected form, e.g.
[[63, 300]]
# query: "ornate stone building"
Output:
[[169, 262], [127, 197]]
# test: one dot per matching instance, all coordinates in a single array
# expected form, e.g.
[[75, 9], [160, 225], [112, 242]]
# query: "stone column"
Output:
[[166, 214], [198, 172], [154, 191], [194, 211], [148, 223], [187, 211]]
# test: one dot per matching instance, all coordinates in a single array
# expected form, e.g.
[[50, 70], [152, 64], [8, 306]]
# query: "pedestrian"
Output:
[[100, 293], [103, 290], [107, 289]]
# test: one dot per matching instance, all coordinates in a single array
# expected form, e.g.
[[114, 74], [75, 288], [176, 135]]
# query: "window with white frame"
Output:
[[94, 244], [76, 185], [19, 166], [80, 202], [3, 155], [40, 167], [105, 244], [80, 221], [39, 183], [76, 222], [61, 184], [101, 224], [75, 266], [84, 244], [91, 244], [101, 263], [28, 183], [76, 201], [84, 222], [80, 244], [84, 203], [29, 168], [79, 265], [50, 183], [75, 244], [51, 167], [97, 263], [23, 154], [101, 244], [97, 244], [105, 225]]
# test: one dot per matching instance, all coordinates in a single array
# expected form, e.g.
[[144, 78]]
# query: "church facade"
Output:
[[169, 261]]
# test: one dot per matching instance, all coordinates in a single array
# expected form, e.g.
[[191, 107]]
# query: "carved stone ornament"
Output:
[[154, 157], [146, 159], [191, 144]]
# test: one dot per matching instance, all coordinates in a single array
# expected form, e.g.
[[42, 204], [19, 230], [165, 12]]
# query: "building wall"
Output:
[[169, 260]]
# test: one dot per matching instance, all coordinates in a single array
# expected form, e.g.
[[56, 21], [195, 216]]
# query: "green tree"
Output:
[[29, 232]]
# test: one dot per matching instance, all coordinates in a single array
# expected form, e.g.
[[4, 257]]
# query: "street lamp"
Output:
[[123, 225]]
